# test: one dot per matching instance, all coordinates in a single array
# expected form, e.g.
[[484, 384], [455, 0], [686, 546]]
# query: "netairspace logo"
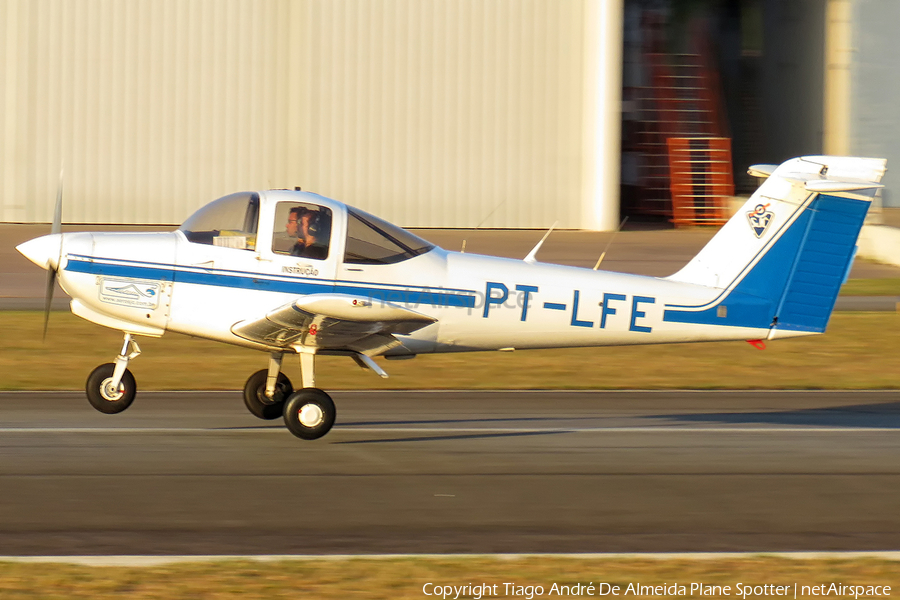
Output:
[[477, 591]]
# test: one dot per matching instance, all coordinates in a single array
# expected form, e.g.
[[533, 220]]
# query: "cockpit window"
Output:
[[230, 222], [372, 241], [302, 229]]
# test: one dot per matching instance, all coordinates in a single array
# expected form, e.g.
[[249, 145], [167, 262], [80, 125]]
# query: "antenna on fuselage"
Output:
[[532, 256], [609, 243]]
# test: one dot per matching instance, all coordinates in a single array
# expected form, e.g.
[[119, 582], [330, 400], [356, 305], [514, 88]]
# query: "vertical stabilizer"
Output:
[[780, 261]]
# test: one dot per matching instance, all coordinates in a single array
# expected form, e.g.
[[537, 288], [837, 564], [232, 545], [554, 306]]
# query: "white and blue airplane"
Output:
[[291, 272]]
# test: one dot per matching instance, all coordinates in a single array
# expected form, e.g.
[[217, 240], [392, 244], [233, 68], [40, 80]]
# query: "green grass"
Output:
[[871, 287], [399, 579], [859, 350]]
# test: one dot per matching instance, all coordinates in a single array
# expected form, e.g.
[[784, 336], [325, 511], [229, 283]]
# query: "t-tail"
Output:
[[780, 261]]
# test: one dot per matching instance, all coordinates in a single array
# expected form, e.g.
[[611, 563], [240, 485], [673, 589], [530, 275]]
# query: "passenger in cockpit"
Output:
[[312, 238]]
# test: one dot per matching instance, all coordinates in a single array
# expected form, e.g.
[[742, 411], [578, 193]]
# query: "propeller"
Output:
[[52, 270]]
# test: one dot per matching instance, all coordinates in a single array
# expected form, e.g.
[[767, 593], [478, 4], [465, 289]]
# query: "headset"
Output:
[[316, 223]]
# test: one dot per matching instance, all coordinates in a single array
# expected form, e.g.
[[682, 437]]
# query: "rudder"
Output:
[[821, 265]]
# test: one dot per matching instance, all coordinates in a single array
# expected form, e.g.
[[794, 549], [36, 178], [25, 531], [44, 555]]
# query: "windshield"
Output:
[[230, 222], [372, 241]]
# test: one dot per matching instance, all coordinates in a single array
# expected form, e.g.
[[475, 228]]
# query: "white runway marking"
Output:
[[466, 430], [659, 429], [505, 391]]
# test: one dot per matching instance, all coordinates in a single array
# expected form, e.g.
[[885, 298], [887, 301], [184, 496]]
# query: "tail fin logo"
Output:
[[759, 218]]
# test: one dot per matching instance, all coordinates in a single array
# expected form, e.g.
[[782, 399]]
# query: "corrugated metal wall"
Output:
[[429, 113], [152, 106], [442, 112], [793, 78], [874, 113]]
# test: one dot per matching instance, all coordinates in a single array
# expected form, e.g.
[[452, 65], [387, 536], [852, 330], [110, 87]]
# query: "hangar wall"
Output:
[[151, 108], [874, 114], [793, 78], [429, 113]]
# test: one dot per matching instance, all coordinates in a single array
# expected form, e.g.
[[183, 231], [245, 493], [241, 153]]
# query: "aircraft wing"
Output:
[[334, 322]]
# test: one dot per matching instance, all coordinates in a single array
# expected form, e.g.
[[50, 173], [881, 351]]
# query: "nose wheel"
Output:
[[105, 395], [110, 388]]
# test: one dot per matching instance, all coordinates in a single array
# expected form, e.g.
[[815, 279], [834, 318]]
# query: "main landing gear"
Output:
[[266, 390], [308, 413]]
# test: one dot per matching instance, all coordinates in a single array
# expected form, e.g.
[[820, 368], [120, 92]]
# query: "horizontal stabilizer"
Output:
[[825, 186], [761, 171]]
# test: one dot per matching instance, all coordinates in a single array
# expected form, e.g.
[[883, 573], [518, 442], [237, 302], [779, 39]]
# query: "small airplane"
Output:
[[292, 272]]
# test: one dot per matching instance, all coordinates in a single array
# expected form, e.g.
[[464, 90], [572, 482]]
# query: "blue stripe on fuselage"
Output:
[[261, 283]]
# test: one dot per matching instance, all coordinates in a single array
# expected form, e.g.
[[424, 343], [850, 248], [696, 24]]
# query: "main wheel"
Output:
[[258, 403], [309, 413], [103, 396]]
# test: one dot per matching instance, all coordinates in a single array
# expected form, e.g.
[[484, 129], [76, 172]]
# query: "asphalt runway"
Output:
[[434, 472]]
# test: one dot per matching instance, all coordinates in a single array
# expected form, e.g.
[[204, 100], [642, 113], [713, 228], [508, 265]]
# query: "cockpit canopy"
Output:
[[301, 227], [231, 222]]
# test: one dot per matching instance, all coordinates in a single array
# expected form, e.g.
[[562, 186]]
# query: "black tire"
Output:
[[100, 394], [258, 403], [309, 413]]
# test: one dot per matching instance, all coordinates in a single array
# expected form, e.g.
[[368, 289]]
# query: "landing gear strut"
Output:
[[111, 387]]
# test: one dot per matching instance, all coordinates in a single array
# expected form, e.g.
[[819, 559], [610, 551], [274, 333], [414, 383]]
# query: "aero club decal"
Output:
[[759, 218]]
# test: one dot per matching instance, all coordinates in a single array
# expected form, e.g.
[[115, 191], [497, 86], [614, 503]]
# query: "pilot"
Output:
[[293, 223], [283, 242]]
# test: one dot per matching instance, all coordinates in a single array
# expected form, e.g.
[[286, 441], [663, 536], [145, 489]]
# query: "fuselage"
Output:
[[150, 283]]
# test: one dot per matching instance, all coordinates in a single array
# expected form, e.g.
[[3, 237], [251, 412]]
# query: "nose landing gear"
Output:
[[111, 387]]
